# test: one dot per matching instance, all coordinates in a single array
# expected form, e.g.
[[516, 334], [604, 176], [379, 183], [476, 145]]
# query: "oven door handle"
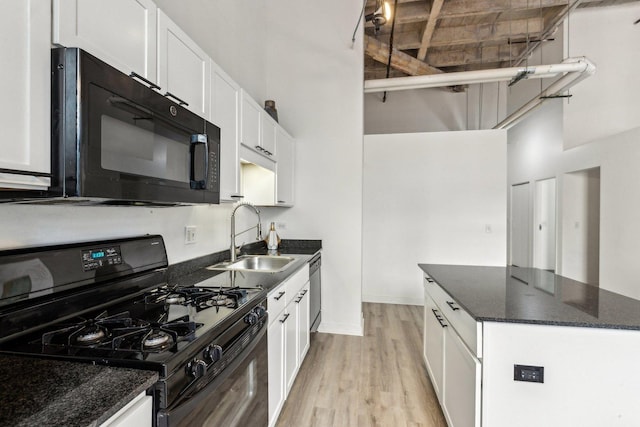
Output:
[[199, 139], [188, 400]]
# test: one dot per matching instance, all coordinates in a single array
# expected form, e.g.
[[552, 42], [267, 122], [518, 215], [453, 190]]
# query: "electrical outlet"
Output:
[[189, 234], [281, 225], [487, 228]]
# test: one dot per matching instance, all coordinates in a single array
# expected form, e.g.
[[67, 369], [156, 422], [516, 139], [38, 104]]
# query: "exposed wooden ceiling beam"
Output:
[[500, 31], [436, 5], [399, 60], [441, 58]]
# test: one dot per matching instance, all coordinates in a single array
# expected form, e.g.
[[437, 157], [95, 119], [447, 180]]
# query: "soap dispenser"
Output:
[[272, 239]]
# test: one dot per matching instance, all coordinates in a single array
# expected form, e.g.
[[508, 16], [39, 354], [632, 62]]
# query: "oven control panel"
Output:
[[93, 259]]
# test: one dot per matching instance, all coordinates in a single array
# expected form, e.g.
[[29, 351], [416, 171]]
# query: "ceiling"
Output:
[[435, 36]]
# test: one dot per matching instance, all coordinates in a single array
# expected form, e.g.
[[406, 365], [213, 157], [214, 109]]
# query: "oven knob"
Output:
[[196, 368], [260, 311], [213, 352], [251, 318]]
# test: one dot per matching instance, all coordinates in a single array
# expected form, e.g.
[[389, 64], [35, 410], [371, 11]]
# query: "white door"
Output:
[[285, 168], [544, 232], [461, 401], [303, 323], [26, 88], [225, 113], [581, 226], [434, 325], [275, 339], [291, 361], [183, 67], [122, 33], [520, 225]]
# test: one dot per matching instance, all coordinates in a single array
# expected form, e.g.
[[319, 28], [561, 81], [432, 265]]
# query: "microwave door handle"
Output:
[[199, 139]]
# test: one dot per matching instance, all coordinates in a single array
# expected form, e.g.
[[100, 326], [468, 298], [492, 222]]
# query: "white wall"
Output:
[[480, 106], [606, 103], [232, 32], [315, 77], [30, 225], [536, 151], [429, 198]]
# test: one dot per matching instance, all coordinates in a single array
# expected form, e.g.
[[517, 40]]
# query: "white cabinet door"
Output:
[[250, 122], [462, 376], [137, 413], [183, 67], [285, 175], [291, 361], [434, 337], [268, 140], [120, 32], [276, 340], [303, 323], [25, 40], [225, 113]]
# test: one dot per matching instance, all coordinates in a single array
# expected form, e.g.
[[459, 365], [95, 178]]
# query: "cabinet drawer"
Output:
[[465, 325], [296, 282], [276, 302]]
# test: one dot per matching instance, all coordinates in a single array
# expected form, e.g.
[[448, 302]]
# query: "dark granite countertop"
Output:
[[43, 392], [528, 295], [194, 271]]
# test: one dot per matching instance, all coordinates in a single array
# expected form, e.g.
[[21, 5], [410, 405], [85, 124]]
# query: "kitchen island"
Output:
[[511, 346]]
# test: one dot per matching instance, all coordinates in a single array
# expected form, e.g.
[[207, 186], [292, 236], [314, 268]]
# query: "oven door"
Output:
[[237, 397]]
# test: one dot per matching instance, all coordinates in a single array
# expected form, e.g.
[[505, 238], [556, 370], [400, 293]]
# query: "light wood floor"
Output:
[[376, 380]]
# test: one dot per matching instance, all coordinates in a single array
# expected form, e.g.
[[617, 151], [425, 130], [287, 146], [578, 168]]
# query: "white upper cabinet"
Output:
[[285, 176], [268, 141], [25, 40], [119, 32], [225, 113], [184, 69], [250, 122]]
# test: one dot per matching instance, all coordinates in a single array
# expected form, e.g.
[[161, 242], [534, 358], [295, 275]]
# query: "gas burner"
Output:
[[175, 299], [156, 339], [218, 299], [91, 335]]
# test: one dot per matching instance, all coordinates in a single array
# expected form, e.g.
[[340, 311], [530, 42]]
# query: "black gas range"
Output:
[[109, 303]]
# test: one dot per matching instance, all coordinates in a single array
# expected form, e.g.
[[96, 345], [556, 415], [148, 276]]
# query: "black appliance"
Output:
[[315, 292], [116, 138], [109, 302]]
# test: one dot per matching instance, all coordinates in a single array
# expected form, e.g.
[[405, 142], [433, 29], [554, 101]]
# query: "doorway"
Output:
[[544, 232], [520, 225], [581, 226]]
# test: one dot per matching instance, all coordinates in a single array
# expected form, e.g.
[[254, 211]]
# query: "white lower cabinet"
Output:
[[455, 371], [434, 343], [275, 337], [303, 322], [288, 307], [291, 362], [462, 378], [137, 413]]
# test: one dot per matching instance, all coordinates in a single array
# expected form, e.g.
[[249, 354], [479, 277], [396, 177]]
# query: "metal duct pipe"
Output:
[[555, 89], [570, 65]]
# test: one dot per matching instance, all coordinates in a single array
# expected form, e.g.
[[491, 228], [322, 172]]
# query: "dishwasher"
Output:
[[316, 292]]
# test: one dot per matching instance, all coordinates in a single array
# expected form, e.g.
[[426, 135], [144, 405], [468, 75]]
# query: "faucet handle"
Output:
[[239, 248]]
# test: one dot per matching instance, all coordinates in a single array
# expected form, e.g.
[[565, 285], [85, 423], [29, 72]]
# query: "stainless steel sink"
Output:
[[257, 263]]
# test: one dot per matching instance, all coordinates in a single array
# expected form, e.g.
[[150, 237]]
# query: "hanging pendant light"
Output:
[[380, 16]]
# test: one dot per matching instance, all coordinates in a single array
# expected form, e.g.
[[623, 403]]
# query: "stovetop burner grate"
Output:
[[120, 332]]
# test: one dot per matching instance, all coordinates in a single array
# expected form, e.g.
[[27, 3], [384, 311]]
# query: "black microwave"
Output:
[[116, 138]]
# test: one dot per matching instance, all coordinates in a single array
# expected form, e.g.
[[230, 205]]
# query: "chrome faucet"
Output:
[[258, 227]]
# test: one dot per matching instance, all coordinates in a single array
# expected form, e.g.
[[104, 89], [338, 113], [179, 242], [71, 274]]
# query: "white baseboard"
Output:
[[341, 328], [385, 299]]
